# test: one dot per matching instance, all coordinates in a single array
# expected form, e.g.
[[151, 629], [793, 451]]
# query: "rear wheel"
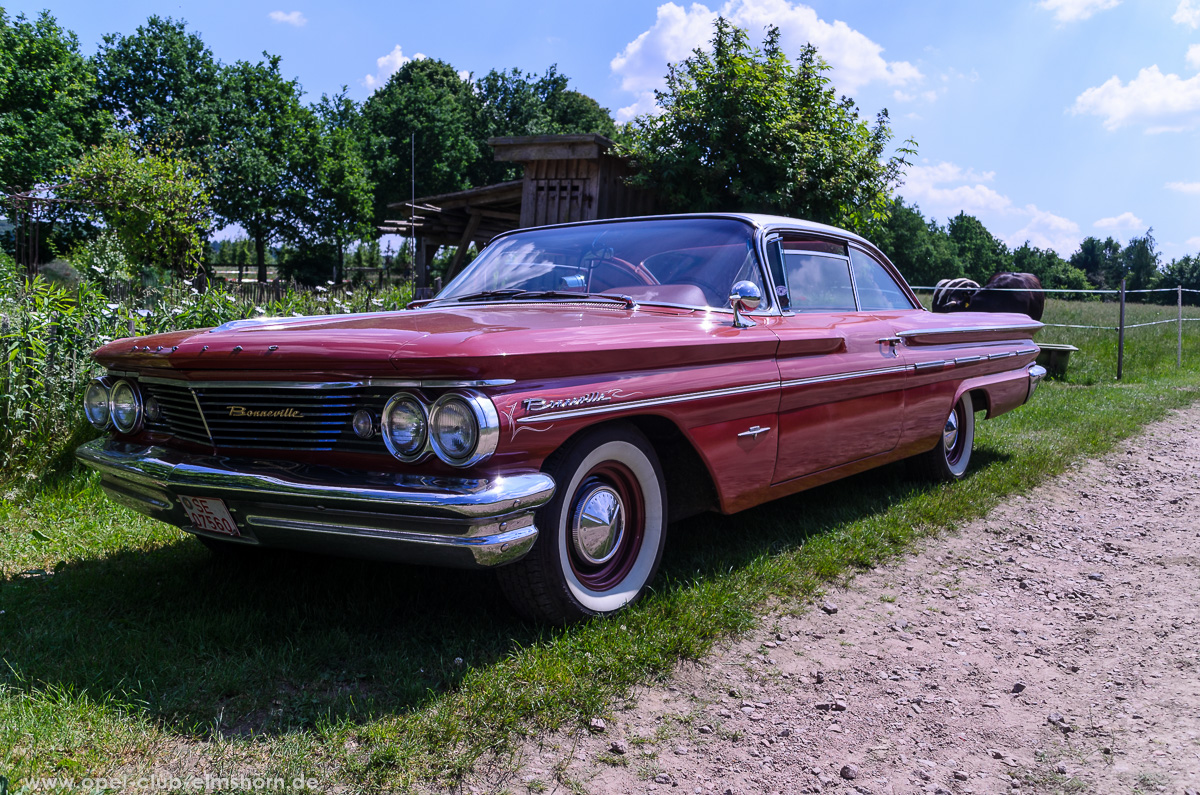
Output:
[[600, 538], [950, 457]]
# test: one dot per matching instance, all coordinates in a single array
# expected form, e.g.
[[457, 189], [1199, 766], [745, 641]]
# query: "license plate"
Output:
[[209, 514]]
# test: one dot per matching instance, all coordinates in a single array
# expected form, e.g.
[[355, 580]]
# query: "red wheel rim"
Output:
[[620, 480]]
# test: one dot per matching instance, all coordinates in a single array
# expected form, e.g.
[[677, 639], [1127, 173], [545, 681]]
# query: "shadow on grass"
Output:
[[276, 642]]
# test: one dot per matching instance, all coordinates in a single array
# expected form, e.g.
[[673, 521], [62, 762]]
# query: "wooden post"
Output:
[[1121, 335], [1179, 344]]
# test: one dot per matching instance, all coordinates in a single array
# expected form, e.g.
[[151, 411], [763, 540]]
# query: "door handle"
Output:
[[754, 431], [891, 343]]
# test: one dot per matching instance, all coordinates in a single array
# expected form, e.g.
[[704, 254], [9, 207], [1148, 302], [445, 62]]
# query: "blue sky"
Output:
[[1050, 120]]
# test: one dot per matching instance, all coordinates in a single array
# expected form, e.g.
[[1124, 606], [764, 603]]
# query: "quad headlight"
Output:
[[464, 429], [460, 429], [125, 406], [95, 403], [405, 426]]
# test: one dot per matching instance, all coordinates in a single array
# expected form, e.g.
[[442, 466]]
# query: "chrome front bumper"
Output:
[[460, 522], [1036, 374]]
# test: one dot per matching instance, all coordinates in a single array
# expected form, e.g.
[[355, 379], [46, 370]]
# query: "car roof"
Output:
[[758, 220]]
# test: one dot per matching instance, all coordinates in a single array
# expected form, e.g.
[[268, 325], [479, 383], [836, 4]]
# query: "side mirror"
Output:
[[744, 297]]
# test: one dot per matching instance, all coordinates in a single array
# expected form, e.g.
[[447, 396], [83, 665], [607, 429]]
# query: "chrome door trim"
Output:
[[649, 402], [832, 378], [968, 330]]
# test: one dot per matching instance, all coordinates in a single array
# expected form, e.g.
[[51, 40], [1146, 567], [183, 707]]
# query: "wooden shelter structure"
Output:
[[567, 178]]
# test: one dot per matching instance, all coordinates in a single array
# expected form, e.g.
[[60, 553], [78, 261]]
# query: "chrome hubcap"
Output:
[[598, 525], [950, 432]]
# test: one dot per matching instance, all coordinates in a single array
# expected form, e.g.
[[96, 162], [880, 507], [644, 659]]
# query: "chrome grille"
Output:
[[263, 417]]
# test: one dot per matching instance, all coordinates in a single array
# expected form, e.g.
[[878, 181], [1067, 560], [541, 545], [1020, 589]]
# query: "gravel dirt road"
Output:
[[1050, 647]]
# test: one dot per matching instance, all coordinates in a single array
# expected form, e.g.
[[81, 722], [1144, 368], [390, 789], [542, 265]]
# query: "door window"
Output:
[[877, 290]]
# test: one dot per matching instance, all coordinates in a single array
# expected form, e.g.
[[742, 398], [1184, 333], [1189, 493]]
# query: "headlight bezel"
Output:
[[487, 428], [422, 450], [102, 383], [139, 412]]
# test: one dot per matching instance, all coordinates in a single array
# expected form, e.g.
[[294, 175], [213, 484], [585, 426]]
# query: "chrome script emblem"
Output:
[[541, 404], [263, 414]]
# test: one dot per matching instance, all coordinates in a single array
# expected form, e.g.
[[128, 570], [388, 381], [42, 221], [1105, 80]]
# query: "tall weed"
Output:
[[48, 332]]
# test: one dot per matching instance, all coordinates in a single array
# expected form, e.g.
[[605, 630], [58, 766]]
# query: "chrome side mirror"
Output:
[[744, 297]]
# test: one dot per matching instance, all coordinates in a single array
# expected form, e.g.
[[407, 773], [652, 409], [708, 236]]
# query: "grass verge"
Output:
[[128, 649]]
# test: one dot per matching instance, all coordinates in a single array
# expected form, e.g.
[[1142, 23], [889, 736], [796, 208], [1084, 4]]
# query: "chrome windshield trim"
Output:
[[826, 379], [433, 383], [648, 402]]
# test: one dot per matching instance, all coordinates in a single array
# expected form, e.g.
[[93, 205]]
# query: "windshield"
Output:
[[689, 261]]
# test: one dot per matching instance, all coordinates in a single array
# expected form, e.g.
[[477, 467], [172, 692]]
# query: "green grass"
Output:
[[126, 646]]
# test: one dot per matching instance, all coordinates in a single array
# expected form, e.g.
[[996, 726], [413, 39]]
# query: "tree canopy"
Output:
[[744, 128], [152, 201], [163, 85], [48, 113]]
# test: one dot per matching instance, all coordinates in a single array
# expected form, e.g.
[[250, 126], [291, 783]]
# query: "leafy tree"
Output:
[[150, 200], [512, 103], [1139, 263], [1098, 259], [982, 255], [746, 129], [427, 100], [1052, 271], [47, 101], [920, 249], [47, 118], [331, 172], [263, 132], [1183, 272], [162, 84]]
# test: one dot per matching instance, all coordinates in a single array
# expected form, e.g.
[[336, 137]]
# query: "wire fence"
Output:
[[1122, 293]]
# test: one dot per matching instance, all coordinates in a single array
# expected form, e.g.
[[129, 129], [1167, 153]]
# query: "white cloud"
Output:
[[289, 18], [1193, 241], [1150, 95], [1193, 56], [1125, 220], [935, 186], [388, 65], [677, 30], [1188, 14], [946, 189], [1184, 187], [1045, 230], [1075, 10]]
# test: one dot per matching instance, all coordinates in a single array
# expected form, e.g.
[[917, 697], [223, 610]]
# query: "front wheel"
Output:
[[600, 538], [949, 459]]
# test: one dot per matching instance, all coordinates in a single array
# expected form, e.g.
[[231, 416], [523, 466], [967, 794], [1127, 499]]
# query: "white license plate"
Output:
[[209, 514]]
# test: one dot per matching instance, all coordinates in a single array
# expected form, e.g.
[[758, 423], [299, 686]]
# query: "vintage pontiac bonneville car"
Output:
[[572, 392]]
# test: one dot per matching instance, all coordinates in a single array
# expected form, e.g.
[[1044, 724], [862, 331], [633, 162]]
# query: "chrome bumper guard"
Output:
[[1036, 374], [460, 522]]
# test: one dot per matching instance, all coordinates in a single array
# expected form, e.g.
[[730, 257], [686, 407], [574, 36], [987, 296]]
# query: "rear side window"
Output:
[[877, 290]]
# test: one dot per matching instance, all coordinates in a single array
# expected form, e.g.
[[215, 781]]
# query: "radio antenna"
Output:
[[412, 205]]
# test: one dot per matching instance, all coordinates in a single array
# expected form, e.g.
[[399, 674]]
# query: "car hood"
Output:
[[480, 342]]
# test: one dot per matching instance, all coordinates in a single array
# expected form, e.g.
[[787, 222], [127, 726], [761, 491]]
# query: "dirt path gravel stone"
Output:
[[1050, 647]]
